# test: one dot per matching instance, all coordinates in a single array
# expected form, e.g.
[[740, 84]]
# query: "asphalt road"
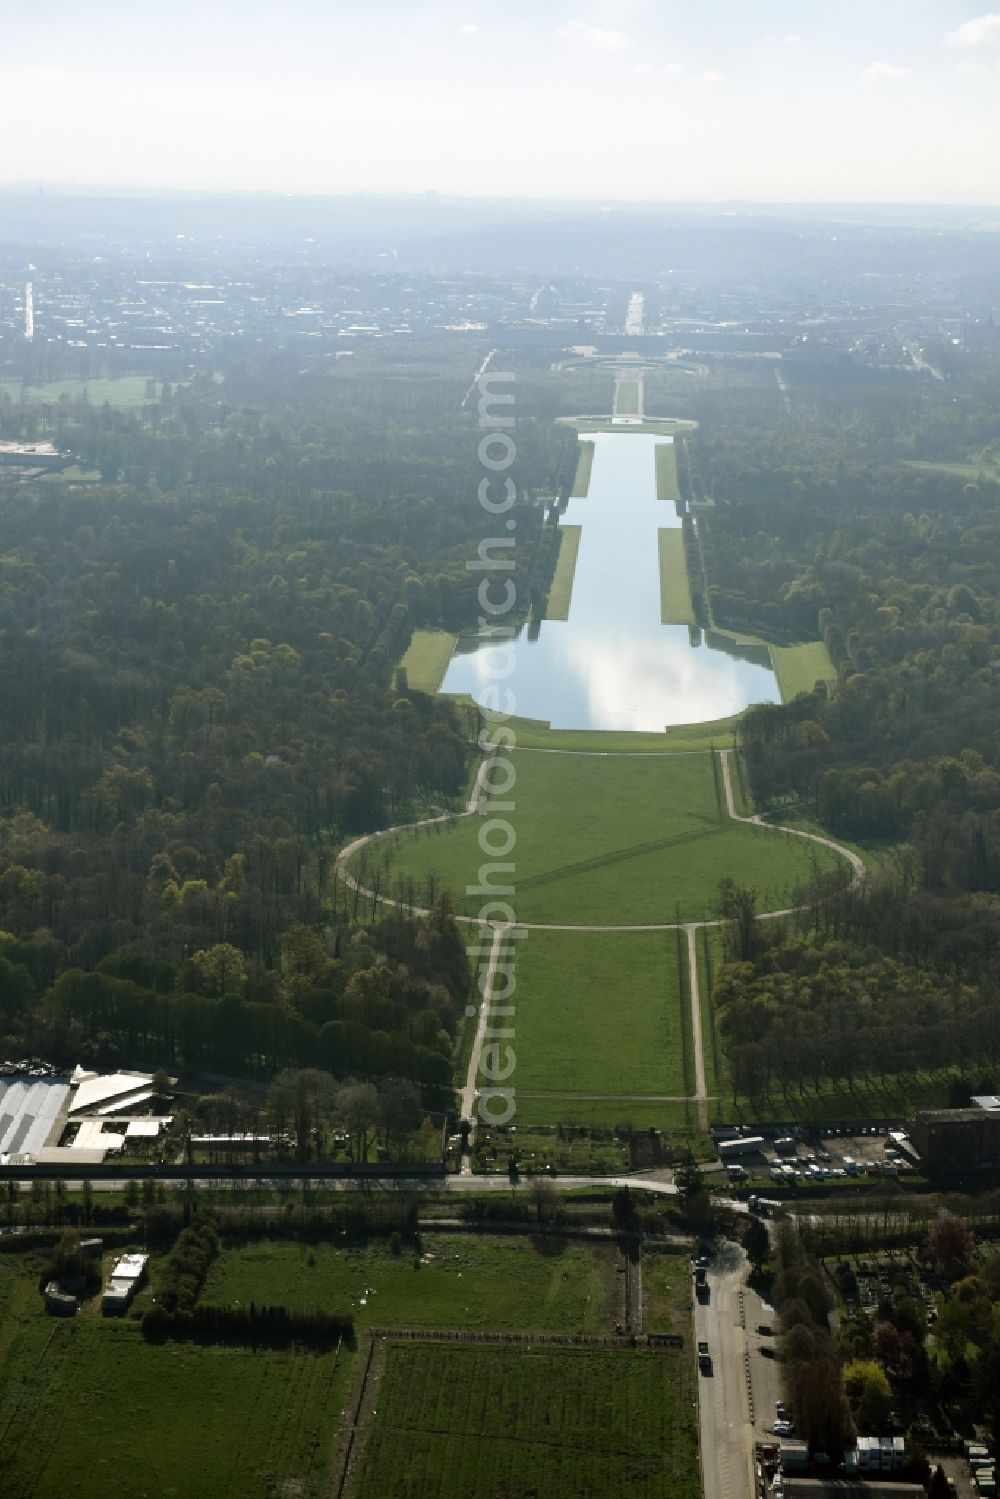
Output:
[[723, 1398], [662, 1182]]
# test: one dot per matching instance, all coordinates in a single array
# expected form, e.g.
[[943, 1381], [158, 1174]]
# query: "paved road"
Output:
[[661, 1181], [723, 1402]]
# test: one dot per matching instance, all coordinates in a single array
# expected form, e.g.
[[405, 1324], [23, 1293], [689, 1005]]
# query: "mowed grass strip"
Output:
[[564, 1422], [561, 592], [667, 487], [585, 463], [598, 1012], [426, 659], [618, 841], [675, 587], [460, 1280]]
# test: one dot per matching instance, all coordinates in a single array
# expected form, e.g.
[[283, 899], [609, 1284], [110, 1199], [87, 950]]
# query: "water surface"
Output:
[[612, 664]]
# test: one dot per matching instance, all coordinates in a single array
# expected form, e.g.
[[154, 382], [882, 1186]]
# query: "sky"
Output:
[[665, 100]]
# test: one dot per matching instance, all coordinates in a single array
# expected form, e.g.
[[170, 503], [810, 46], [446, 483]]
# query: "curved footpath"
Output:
[[690, 928]]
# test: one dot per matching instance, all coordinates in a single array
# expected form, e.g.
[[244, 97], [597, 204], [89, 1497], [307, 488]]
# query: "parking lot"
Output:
[[833, 1152]]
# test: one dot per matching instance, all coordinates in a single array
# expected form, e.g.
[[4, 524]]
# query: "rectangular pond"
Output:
[[612, 664]]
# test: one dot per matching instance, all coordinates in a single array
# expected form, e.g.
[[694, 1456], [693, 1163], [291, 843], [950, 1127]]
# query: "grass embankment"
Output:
[[584, 465], [563, 1422], [127, 390], [667, 487], [627, 398], [561, 592], [675, 588], [598, 1012], [622, 841], [534, 733], [426, 659]]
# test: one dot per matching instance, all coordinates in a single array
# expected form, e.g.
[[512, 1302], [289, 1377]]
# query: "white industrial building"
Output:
[[126, 1278], [76, 1120]]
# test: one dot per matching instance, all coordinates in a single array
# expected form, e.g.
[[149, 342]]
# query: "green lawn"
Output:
[[127, 390], [561, 591], [585, 463], [464, 1281], [89, 1409], [622, 840], [675, 587], [577, 991], [799, 667], [666, 472], [426, 659], [568, 1423], [627, 398]]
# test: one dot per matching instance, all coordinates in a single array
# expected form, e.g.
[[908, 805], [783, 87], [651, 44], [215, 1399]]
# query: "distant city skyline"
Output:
[[635, 100]]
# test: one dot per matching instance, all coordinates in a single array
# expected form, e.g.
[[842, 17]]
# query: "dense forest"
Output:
[[199, 705], [870, 514]]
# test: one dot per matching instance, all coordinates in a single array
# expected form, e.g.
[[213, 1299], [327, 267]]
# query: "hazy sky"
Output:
[[878, 100]]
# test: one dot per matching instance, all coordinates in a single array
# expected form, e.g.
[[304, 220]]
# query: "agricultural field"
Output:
[[623, 840], [675, 586], [569, 1423], [88, 1408], [666, 472], [577, 989], [426, 658], [561, 591], [458, 1280]]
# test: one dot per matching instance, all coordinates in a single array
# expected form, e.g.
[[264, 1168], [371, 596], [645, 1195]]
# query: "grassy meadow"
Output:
[[799, 667], [624, 840], [459, 1280], [575, 991], [426, 659], [125, 390], [627, 398]]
